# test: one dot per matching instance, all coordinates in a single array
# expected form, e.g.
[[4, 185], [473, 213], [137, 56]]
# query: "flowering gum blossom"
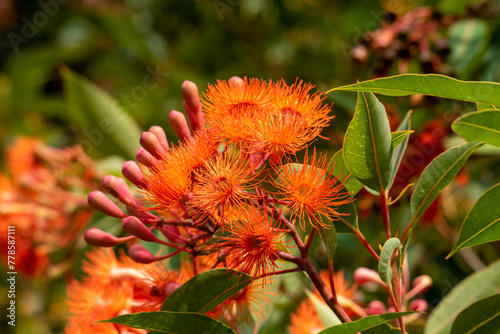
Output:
[[100, 202], [133, 173], [135, 227], [117, 187], [151, 144], [178, 122], [140, 254]]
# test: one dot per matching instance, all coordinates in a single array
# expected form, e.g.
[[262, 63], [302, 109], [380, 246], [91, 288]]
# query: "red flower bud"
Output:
[[133, 173], [117, 187], [100, 202], [178, 122], [132, 225], [151, 144], [144, 157], [96, 237]]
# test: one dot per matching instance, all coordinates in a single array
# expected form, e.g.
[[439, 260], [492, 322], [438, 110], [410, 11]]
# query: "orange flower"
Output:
[[305, 320], [296, 100], [311, 189], [223, 183], [252, 246], [170, 178]]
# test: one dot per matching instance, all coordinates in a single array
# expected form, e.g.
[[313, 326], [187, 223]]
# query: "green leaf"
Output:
[[468, 39], [329, 236], [364, 323], [384, 264], [340, 168], [368, 144], [481, 224], [382, 329], [103, 123], [479, 126], [430, 84], [481, 284], [343, 222], [206, 290], [172, 322], [482, 317], [327, 316], [438, 174], [481, 107], [399, 137]]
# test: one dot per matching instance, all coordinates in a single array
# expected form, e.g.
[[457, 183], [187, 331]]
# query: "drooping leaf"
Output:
[[482, 223], [172, 322], [479, 126], [368, 143], [482, 317], [327, 316], [384, 264], [430, 84], [340, 168], [363, 323], [329, 236], [438, 174], [468, 39], [104, 124], [481, 284], [343, 222], [402, 138], [206, 290]]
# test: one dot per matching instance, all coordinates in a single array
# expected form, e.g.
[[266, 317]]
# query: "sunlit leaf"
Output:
[[479, 126], [479, 285], [482, 223]]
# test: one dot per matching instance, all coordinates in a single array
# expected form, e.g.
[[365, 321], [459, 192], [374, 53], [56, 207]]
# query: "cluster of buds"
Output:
[[370, 279], [232, 179], [418, 35], [41, 196]]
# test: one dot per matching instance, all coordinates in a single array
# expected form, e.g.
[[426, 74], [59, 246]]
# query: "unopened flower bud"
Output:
[[376, 307], [178, 122], [132, 225], [117, 187], [133, 173], [420, 285], [134, 211], [96, 237], [144, 157], [151, 144], [170, 232], [192, 105], [364, 275], [170, 287], [419, 305], [140, 254], [160, 134], [100, 202], [236, 82]]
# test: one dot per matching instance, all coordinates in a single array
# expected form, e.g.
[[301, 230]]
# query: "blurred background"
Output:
[[140, 52]]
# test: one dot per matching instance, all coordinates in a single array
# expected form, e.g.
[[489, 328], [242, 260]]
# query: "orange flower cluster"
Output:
[[41, 196], [210, 185]]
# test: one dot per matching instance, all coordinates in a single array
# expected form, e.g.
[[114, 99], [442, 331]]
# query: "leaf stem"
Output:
[[385, 214]]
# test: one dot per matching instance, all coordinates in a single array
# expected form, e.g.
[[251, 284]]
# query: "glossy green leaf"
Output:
[[217, 285], [363, 323], [482, 317], [384, 264], [341, 170], [430, 84], [481, 107], [479, 285], [467, 41], [482, 223], [368, 143], [172, 322], [342, 223], [329, 236], [438, 174], [327, 316], [400, 140], [479, 126], [382, 329], [105, 126]]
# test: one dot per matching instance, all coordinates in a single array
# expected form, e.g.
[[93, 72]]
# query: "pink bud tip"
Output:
[[117, 187], [419, 305], [364, 275], [160, 134], [236, 82], [132, 225], [192, 105], [376, 307], [133, 173], [140, 254], [424, 282], [96, 237], [178, 122], [170, 287], [100, 202], [151, 144], [144, 157]]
